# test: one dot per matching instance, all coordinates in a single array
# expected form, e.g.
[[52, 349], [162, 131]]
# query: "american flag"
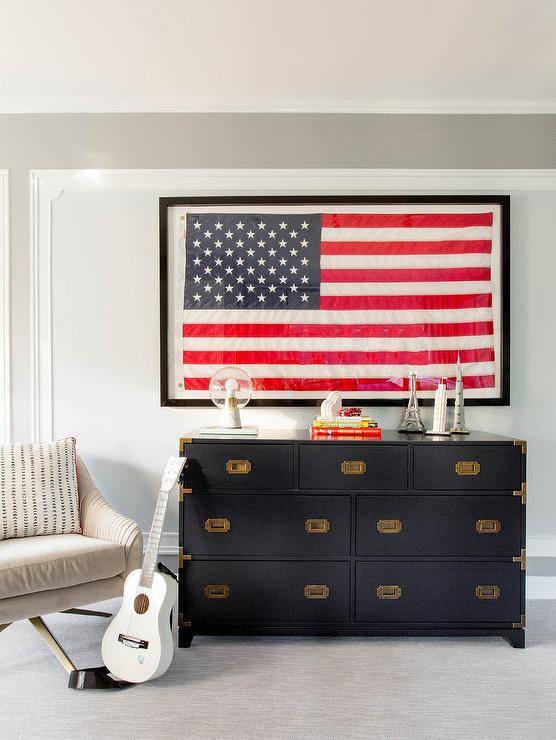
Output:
[[312, 302]]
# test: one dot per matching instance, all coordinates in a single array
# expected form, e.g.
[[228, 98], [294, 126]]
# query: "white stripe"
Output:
[[432, 288], [406, 235], [342, 371], [331, 344], [254, 316], [377, 261]]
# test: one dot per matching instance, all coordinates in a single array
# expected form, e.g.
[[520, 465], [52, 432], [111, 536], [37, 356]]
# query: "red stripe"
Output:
[[346, 384], [403, 302], [446, 247], [292, 357], [461, 329], [405, 220], [406, 275]]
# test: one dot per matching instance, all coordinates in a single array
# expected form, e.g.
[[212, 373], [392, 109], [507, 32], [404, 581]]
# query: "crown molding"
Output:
[[5, 312], [278, 105]]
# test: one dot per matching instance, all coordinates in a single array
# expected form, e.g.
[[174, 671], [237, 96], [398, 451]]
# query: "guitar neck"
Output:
[[151, 554]]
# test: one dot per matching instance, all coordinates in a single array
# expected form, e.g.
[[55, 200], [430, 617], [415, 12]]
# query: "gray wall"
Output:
[[242, 140]]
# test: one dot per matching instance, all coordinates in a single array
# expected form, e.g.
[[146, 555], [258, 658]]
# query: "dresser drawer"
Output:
[[267, 526], [268, 591], [359, 467], [239, 466], [438, 592], [454, 525], [467, 467]]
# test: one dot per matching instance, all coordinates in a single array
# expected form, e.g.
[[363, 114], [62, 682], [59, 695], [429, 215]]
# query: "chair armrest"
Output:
[[99, 520]]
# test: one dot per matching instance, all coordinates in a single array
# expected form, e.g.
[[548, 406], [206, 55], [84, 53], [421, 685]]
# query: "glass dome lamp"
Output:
[[230, 390]]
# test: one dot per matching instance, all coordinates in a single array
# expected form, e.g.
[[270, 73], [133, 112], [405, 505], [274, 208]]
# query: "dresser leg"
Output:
[[185, 637], [517, 638]]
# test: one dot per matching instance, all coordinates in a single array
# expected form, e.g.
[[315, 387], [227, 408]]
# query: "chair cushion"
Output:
[[55, 561], [38, 489]]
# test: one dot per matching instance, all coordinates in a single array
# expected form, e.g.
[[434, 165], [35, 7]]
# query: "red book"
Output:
[[374, 432]]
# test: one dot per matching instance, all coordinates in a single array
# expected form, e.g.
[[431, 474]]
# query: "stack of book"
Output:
[[346, 426]]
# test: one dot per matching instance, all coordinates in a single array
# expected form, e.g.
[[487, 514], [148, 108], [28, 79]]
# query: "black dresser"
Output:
[[407, 535]]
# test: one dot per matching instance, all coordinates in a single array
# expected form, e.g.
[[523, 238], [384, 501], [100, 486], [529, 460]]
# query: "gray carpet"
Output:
[[283, 689]]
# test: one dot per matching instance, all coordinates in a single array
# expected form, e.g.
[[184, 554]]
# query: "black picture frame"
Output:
[[165, 203]]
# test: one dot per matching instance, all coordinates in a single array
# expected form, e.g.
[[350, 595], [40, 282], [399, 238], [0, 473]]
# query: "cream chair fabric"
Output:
[[41, 575]]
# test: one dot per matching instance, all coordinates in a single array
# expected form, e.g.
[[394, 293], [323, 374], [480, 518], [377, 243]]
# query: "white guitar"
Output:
[[138, 644]]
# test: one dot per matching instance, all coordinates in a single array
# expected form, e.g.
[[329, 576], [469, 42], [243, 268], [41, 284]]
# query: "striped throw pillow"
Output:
[[38, 489]]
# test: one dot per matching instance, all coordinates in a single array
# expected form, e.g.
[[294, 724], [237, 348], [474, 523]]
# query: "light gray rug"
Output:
[[294, 688]]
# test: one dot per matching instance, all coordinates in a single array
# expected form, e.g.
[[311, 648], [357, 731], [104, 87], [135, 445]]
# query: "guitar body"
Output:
[[138, 644]]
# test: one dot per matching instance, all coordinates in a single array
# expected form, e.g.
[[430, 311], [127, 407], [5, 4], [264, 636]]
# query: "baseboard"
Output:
[[538, 587]]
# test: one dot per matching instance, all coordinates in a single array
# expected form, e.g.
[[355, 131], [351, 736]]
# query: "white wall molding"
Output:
[[541, 546], [168, 543], [5, 312], [279, 105], [48, 185]]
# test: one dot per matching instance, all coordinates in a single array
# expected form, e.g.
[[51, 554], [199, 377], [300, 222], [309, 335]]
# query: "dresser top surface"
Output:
[[388, 437]]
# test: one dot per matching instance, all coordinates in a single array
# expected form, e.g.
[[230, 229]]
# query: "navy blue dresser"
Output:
[[407, 535]]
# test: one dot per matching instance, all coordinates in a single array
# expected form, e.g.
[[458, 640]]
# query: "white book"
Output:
[[219, 431]]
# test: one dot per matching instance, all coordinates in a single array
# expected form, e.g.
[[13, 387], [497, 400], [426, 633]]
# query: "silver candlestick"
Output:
[[412, 423], [459, 410]]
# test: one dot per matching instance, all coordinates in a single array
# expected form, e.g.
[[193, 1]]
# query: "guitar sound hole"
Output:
[[141, 603]]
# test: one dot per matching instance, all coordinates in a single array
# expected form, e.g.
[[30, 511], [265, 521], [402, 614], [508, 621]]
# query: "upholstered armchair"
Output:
[[62, 572]]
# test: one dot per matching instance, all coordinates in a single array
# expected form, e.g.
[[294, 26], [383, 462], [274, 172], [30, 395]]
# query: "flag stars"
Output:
[[271, 288], [218, 226], [240, 278], [239, 225], [208, 270], [304, 243], [229, 234], [217, 244], [218, 262], [305, 225], [229, 252], [282, 243], [208, 234], [239, 298], [304, 261], [283, 279], [293, 288], [262, 225], [197, 224], [239, 261], [282, 225], [261, 279], [197, 261], [293, 252], [283, 298], [229, 288], [250, 288], [250, 270], [250, 252], [261, 261], [229, 270], [218, 298], [293, 234], [271, 252], [304, 279], [250, 234], [271, 234], [196, 297], [283, 261], [196, 243], [208, 252], [261, 243], [293, 270], [272, 270], [239, 243], [261, 298], [208, 288], [218, 279], [304, 297], [197, 279]]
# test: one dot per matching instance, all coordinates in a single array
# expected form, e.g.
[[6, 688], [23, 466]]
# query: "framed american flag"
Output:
[[347, 293]]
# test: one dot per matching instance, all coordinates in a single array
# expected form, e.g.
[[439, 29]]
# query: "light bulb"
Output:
[[231, 386]]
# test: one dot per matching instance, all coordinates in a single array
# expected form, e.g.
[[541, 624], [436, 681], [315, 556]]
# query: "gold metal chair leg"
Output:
[[4, 626], [52, 643], [87, 612]]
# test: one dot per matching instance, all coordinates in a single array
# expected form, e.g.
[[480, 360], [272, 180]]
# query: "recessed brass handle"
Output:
[[389, 592], [487, 592], [216, 591], [488, 526], [353, 467], [317, 526], [217, 525], [236, 467], [314, 591], [468, 467], [389, 526]]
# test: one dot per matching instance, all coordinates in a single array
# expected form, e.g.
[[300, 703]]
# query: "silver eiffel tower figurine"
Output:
[[459, 410], [412, 423]]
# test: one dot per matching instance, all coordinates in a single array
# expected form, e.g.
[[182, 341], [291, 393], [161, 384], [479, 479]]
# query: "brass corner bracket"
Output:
[[184, 441], [182, 557], [183, 491], [520, 624], [521, 558], [521, 443], [183, 622], [522, 493]]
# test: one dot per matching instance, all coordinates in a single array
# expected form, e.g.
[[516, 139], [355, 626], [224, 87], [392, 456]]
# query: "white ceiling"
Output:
[[343, 55]]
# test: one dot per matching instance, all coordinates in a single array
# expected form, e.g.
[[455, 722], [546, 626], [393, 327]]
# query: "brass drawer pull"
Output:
[[487, 592], [488, 526], [389, 526], [354, 467], [316, 592], [217, 525], [317, 526], [235, 467], [468, 467], [216, 591], [389, 592]]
